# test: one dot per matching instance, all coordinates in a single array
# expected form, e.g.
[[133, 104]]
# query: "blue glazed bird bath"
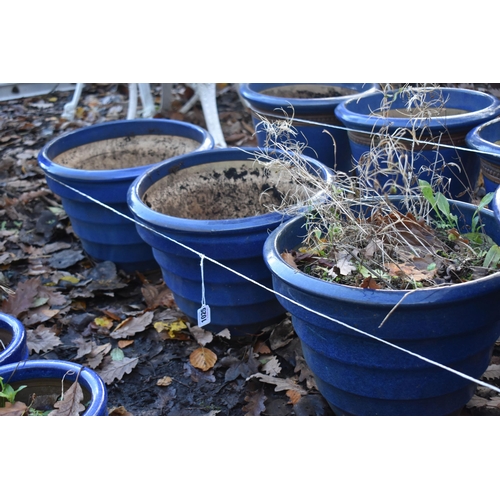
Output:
[[101, 161], [212, 202], [456, 326]]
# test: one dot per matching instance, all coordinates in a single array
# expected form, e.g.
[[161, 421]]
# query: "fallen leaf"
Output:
[[124, 343], [17, 409], [114, 370], [304, 372], [477, 402], [22, 298], [164, 381], [96, 355], [280, 383], [157, 295], [261, 348], [344, 264], [369, 282], [272, 366], [288, 258], [203, 358], [65, 258], [71, 405], [119, 411], [492, 372], [84, 346], [226, 334], [171, 330], [203, 337], [255, 403], [132, 325], [104, 321], [43, 339], [294, 396]]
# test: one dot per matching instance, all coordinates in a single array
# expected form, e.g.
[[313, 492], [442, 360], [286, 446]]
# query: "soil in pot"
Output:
[[308, 91], [233, 190], [432, 112], [125, 152]]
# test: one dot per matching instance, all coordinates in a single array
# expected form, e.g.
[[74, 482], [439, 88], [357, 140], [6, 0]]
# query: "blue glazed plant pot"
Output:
[[210, 201], [456, 326], [13, 338], [443, 134], [44, 376], [312, 102], [101, 161], [485, 139]]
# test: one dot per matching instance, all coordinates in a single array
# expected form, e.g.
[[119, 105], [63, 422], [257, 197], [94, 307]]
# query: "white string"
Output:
[[334, 320], [372, 132], [202, 282]]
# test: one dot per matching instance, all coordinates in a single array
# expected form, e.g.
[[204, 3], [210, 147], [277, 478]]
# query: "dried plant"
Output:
[[383, 226]]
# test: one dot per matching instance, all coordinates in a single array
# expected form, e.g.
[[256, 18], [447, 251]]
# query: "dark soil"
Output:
[[77, 304]]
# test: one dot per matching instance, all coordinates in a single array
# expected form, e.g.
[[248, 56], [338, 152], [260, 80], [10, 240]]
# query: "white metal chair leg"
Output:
[[132, 101], [70, 108], [205, 92], [148, 105]]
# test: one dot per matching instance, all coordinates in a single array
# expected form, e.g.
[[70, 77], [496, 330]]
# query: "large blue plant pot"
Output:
[[101, 161], [237, 304], [456, 326], [13, 337], [359, 115], [485, 139], [21, 373], [270, 100]]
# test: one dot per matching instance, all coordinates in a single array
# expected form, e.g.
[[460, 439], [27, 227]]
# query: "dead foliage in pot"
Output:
[[386, 225]]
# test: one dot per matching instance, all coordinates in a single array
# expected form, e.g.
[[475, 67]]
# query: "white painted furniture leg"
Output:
[[132, 101], [148, 105], [205, 92], [70, 108]]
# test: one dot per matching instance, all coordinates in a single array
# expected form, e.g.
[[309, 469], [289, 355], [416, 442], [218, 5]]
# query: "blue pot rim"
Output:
[[252, 92], [18, 334], [114, 130], [481, 138], [93, 383], [355, 113], [178, 224], [329, 290]]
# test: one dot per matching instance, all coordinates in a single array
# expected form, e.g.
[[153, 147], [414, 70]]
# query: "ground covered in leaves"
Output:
[[127, 327]]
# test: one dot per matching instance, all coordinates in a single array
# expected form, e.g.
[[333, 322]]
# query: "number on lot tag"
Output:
[[203, 315]]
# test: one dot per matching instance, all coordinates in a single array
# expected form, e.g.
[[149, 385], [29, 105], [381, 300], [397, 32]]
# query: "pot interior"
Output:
[[42, 393], [308, 91], [225, 190], [125, 152], [5, 338]]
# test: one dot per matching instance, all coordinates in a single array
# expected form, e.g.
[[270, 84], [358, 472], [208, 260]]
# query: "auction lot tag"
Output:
[[203, 315]]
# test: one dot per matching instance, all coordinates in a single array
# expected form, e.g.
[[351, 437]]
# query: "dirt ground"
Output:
[[73, 307]]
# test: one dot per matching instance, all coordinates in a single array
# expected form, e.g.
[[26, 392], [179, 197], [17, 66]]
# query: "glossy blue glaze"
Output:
[[320, 143], [16, 348], [456, 326], [56, 368], [483, 139], [358, 115], [104, 234], [235, 303]]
